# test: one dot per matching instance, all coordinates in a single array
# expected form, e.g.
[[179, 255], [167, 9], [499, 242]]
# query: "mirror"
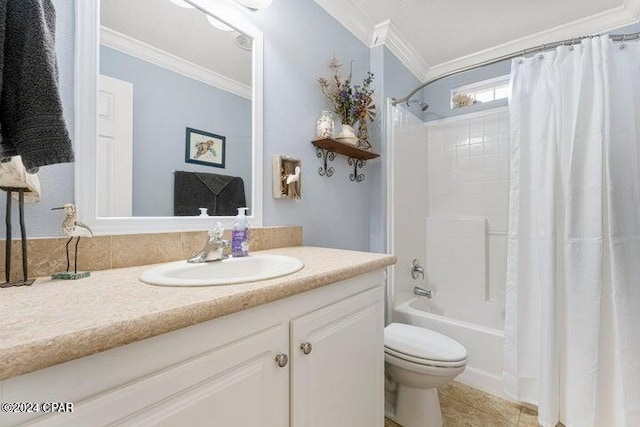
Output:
[[176, 91]]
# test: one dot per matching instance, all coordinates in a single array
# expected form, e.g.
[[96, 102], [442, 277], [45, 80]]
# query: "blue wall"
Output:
[[299, 40], [164, 104]]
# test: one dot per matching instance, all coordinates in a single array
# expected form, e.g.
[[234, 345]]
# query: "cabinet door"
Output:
[[340, 381], [238, 384]]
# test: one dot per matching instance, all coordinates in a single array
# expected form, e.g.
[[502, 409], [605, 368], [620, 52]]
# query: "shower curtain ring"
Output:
[[622, 45], [541, 56]]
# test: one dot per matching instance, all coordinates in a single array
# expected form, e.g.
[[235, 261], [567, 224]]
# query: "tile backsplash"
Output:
[[47, 256]]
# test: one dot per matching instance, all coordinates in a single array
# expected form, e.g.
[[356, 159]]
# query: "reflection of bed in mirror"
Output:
[[181, 72], [221, 195]]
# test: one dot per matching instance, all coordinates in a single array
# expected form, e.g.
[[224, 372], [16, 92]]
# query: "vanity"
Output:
[[300, 350]]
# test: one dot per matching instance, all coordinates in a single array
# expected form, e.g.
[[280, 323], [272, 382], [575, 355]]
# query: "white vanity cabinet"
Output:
[[337, 360], [312, 359]]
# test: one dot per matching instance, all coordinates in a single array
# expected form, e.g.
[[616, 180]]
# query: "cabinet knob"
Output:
[[282, 360], [306, 347]]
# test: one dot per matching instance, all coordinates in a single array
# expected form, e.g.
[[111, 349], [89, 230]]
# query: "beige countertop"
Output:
[[53, 322]]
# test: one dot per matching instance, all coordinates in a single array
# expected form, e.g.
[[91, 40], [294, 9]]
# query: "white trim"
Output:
[[85, 126], [468, 116], [603, 22], [482, 84], [390, 173], [387, 34], [152, 54], [350, 17]]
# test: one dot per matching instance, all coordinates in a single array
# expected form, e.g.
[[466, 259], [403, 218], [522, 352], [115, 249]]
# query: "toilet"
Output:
[[417, 361]]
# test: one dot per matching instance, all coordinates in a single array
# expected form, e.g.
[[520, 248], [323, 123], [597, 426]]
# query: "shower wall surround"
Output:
[[468, 198]]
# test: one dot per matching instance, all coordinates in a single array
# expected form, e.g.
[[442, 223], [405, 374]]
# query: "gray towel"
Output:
[[222, 195], [31, 121]]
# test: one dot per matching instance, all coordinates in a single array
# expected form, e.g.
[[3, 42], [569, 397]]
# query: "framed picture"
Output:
[[205, 148]]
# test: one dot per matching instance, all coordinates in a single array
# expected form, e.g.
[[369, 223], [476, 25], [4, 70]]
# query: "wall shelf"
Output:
[[327, 148]]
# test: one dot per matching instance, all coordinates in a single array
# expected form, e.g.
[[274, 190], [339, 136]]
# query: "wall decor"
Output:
[[205, 148]]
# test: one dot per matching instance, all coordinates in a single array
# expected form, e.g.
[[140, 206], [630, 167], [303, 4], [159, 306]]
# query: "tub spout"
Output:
[[423, 292]]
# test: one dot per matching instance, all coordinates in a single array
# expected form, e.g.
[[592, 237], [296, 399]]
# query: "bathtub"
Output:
[[484, 344]]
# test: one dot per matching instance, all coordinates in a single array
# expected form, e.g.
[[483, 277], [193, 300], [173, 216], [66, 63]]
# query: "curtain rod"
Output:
[[541, 48]]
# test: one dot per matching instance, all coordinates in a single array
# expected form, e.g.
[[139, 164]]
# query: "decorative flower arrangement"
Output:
[[351, 103], [461, 99]]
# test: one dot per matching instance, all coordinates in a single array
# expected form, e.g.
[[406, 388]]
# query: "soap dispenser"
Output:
[[240, 234]]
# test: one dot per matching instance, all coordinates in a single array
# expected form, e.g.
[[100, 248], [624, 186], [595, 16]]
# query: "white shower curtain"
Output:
[[572, 326]]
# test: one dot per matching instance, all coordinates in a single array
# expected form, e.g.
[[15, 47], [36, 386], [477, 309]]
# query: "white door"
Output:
[[115, 148], [337, 379]]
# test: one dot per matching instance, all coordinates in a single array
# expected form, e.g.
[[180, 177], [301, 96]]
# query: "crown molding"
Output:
[[387, 34], [347, 14], [626, 14], [146, 52]]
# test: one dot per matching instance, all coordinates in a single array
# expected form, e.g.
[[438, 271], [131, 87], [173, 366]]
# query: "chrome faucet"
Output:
[[417, 270], [422, 292], [214, 247]]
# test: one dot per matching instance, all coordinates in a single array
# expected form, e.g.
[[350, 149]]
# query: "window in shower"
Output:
[[480, 92]]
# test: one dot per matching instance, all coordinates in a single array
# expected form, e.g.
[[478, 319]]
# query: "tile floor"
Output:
[[463, 406]]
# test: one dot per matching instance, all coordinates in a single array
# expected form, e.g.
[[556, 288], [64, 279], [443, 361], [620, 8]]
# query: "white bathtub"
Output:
[[484, 344]]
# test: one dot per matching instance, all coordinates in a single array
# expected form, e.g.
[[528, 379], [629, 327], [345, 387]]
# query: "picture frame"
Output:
[[205, 148]]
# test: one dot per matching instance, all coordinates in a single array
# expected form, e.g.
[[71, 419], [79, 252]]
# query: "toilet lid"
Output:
[[422, 343]]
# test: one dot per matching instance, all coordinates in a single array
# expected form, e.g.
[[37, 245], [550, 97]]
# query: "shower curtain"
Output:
[[572, 321]]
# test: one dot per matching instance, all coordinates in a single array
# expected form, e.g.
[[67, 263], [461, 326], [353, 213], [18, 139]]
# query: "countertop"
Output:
[[53, 322]]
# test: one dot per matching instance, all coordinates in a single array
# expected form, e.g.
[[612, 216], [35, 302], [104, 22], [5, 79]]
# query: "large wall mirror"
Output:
[[168, 114]]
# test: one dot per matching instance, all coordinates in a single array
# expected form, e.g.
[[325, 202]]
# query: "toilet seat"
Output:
[[422, 346]]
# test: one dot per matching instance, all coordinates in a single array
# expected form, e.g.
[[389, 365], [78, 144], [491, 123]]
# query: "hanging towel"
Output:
[[222, 195], [31, 121], [14, 175]]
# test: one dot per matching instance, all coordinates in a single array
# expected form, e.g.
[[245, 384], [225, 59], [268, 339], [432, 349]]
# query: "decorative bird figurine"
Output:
[[293, 181], [73, 228], [294, 176]]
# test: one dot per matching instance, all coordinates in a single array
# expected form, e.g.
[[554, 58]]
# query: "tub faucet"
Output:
[[422, 292], [214, 247], [417, 270]]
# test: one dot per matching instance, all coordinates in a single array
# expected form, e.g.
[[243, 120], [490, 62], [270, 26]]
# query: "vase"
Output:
[[347, 135], [324, 125], [363, 135]]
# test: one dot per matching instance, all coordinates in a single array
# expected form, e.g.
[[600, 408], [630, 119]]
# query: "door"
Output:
[[115, 148], [338, 364]]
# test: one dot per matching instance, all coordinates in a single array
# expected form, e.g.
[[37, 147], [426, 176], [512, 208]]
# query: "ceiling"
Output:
[[182, 32], [435, 36]]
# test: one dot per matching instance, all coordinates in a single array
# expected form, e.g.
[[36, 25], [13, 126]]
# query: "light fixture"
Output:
[[218, 24], [255, 4], [182, 3], [244, 41]]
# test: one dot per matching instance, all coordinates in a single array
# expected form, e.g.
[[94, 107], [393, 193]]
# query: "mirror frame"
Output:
[[87, 45]]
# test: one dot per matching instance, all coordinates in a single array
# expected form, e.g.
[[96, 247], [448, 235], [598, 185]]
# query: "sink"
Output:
[[226, 272]]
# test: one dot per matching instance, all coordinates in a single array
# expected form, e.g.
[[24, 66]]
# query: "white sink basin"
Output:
[[226, 272]]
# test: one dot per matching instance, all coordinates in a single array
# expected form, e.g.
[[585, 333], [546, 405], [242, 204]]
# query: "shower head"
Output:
[[423, 105]]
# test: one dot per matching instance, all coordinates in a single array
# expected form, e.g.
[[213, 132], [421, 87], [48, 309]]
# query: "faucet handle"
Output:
[[216, 231]]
